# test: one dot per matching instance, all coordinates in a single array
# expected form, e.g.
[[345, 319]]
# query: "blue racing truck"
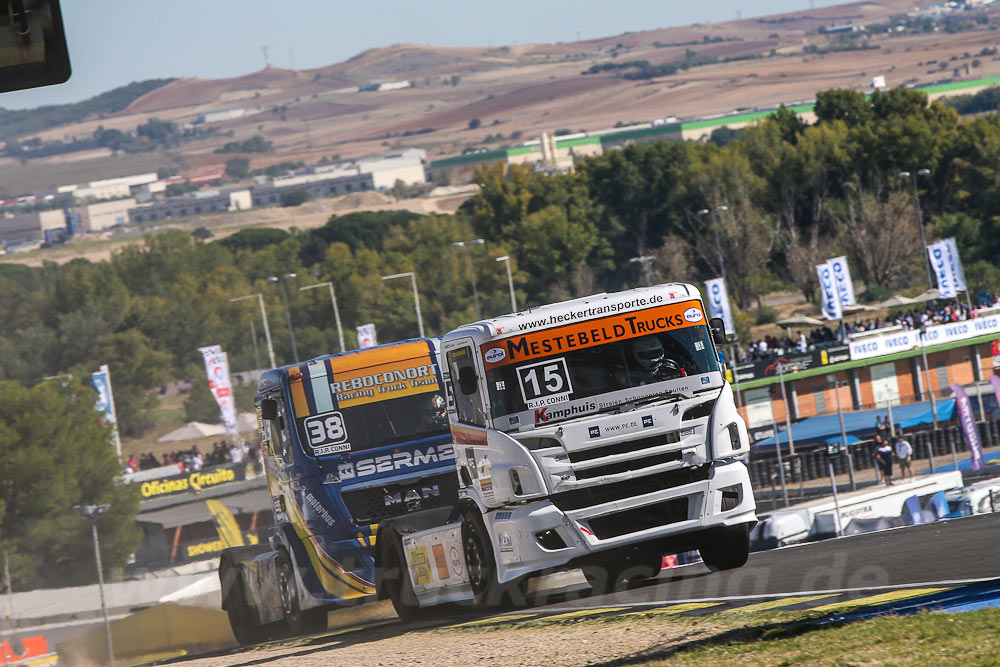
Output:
[[349, 440]]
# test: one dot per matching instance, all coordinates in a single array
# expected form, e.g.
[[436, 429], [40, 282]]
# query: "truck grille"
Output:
[[640, 518], [568, 501], [631, 464], [378, 503], [667, 438]]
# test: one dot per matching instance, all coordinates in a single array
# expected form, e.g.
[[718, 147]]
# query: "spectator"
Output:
[[883, 455], [904, 454]]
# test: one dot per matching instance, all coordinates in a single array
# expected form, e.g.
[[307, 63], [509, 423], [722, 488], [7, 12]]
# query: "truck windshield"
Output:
[[352, 407], [600, 364]]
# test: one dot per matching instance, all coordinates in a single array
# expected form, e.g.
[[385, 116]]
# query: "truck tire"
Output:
[[298, 621], [240, 618], [479, 559], [726, 547], [395, 577]]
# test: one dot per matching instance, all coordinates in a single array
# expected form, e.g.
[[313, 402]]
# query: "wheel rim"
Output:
[[474, 559], [286, 590]]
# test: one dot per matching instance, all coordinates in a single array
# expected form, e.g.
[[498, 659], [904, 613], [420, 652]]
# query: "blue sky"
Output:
[[113, 42]]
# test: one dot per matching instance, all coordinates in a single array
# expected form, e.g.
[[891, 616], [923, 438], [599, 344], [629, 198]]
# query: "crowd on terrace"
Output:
[[823, 337]]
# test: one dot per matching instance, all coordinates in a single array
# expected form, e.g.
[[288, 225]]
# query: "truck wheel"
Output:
[[298, 621], [726, 547], [240, 618], [480, 562], [396, 577], [621, 571]]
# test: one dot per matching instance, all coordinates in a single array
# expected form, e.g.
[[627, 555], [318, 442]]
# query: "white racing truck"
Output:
[[598, 433]]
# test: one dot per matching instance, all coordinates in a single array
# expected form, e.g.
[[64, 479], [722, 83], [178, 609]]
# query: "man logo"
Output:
[[693, 315], [495, 355]]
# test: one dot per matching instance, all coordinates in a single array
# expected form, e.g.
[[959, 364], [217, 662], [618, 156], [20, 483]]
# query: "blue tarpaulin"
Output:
[[859, 424]]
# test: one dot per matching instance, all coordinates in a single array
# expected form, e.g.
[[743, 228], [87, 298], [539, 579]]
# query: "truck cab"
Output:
[[349, 440], [597, 433]]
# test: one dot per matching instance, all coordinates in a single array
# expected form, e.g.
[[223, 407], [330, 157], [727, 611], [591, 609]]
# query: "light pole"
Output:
[[336, 311], [832, 381], [416, 297], [510, 283], [288, 312], [715, 230], [927, 376], [263, 315], [472, 269], [92, 513], [920, 219], [788, 416], [643, 260]]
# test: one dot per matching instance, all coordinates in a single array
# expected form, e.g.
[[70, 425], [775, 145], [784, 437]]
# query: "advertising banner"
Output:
[[827, 287], [876, 346], [968, 421], [955, 331], [718, 302], [793, 363], [366, 336], [842, 280], [192, 481], [106, 402], [955, 262], [941, 266], [220, 384]]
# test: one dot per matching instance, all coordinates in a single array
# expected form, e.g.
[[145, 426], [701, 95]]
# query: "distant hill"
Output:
[[22, 122]]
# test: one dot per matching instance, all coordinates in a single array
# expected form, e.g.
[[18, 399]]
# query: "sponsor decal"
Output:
[[495, 355], [514, 420], [440, 561], [318, 508], [504, 516], [694, 314], [396, 461], [594, 431], [705, 379], [216, 546], [543, 415], [594, 332], [421, 566], [392, 381], [647, 421], [194, 481], [456, 561], [622, 426], [505, 543]]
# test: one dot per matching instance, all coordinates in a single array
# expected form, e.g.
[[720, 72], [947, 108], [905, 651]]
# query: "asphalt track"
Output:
[[947, 565]]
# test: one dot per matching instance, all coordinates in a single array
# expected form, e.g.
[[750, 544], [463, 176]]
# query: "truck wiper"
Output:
[[628, 406]]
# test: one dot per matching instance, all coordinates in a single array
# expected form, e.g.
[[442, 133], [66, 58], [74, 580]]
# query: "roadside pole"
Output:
[[831, 451], [781, 465]]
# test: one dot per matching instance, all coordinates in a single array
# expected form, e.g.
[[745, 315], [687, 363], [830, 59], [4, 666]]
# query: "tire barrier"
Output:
[[812, 463]]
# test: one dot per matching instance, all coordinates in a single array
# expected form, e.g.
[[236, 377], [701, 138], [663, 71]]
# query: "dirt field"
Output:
[[535, 88]]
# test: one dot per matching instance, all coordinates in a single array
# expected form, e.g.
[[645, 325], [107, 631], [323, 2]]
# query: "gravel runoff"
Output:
[[570, 643]]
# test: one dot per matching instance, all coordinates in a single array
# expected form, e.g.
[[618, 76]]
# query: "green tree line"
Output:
[[794, 195]]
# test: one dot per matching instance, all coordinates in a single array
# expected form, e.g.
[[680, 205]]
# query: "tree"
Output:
[[54, 454], [474, 123], [156, 130], [237, 168], [881, 237]]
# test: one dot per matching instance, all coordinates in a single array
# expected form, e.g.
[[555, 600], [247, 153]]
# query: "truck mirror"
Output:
[[467, 380], [34, 48], [269, 409], [718, 328]]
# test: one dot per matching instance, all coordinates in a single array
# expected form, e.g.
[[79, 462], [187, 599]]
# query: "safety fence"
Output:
[[810, 464]]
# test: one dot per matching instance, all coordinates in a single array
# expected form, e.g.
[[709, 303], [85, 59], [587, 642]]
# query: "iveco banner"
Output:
[[969, 427], [718, 302], [842, 279], [827, 287], [955, 262], [941, 266], [219, 383]]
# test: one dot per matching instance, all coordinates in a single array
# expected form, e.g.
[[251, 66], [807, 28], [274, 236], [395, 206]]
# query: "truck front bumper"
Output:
[[552, 532]]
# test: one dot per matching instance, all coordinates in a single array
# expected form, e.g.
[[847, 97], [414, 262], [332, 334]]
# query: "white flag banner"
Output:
[[220, 384], [957, 274], [106, 402], [941, 267], [718, 303], [366, 336], [842, 280], [828, 289]]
